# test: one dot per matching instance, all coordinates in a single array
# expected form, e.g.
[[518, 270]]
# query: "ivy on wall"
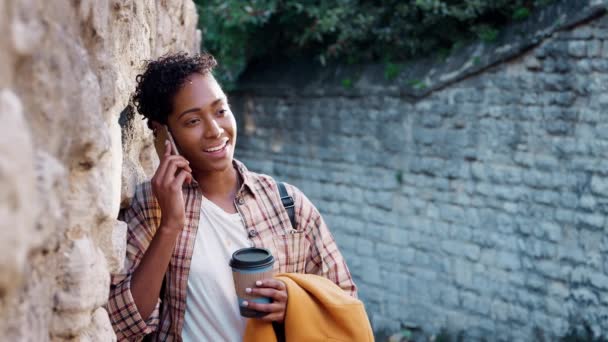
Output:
[[239, 32]]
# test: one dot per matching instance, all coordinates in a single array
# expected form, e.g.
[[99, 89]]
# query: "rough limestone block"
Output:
[[111, 237], [85, 280], [72, 66], [18, 197], [99, 329], [83, 287]]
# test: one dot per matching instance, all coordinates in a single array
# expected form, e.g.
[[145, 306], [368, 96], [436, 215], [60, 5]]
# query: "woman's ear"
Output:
[[155, 126], [160, 136]]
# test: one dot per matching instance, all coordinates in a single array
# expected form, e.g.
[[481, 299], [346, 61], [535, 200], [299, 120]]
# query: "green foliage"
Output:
[[487, 33], [347, 83], [521, 13], [406, 334], [391, 71], [239, 32], [417, 84]]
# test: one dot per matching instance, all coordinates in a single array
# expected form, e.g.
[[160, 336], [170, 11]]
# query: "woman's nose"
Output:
[[214, 130]]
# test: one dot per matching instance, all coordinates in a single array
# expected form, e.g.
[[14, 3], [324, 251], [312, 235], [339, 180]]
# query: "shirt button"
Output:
[[240, 201], [253, 233]]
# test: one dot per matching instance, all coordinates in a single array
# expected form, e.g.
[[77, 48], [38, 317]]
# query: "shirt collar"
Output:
[[245, 176], [242, 171]]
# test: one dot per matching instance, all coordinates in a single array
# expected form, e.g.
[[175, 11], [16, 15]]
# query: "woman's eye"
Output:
[[192, 122], [222, 112]]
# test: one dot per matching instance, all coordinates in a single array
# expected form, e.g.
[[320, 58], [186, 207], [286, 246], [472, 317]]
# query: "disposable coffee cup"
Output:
[[248, 266]]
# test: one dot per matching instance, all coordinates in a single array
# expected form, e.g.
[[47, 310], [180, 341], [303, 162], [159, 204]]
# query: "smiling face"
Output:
[[202, 124]]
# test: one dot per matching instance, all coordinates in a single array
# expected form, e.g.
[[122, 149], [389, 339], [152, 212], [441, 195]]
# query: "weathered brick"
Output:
[[599, 280], [548, 268], [571, 253], [584, 32], [599, 185], [492, 186], [591, 221], [507, 260], [550, 231], [460, 248], [365, 247], [451, 213], [370, 271], [585, 296], [595, 48], [387, 252]]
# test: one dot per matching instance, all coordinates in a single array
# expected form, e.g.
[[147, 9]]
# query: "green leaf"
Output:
[[417, 84], [347, 83], [487, 33], [521, 13], [391, 71], [406, 333]]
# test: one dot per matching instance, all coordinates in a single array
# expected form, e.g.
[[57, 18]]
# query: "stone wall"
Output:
[[67, 69], [468, 194]]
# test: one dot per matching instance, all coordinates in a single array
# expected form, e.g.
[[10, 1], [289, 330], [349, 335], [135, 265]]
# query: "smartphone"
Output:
[[174, 150], [163, 134]]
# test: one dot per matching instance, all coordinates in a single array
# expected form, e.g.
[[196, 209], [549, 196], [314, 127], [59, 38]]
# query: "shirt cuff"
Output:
[[126, 319]]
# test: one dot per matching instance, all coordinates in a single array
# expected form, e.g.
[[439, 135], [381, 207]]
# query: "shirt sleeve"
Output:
[[126, 320], [324, 257]]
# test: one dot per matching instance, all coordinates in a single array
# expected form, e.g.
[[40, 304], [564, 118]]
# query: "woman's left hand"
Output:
[[275, 290]]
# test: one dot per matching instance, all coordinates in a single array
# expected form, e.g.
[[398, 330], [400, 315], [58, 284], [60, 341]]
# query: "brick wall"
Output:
[[476, 205]]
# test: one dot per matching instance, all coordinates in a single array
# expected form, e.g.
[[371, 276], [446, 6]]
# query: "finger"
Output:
[[272, 307], [187, 167], [164, 162], [183, 164], [167, 159], [162, 167], [172, 171], [272, 283], [174, 157], [276, 295], [181, 177], [172, 163], [273, 317], [167, 148]]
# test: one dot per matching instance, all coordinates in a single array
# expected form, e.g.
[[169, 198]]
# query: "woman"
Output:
[[199, 207]]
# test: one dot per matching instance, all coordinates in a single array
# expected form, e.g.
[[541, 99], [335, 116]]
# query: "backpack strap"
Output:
[[288, 203]]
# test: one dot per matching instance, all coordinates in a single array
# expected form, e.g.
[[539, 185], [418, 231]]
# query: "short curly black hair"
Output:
[[162, 78]]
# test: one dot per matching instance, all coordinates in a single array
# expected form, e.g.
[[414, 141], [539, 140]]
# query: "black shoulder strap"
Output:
[[288, 203]]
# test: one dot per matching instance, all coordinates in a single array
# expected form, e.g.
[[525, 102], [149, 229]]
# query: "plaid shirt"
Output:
[[310, 248]]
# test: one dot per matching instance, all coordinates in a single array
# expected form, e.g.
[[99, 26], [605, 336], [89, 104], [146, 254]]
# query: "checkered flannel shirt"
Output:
[[309, 248]]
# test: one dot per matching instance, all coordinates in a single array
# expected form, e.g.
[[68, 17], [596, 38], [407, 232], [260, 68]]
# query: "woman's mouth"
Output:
[[217, 149]]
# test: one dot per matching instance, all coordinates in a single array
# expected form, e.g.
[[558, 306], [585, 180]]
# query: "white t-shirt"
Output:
[[212, 311]]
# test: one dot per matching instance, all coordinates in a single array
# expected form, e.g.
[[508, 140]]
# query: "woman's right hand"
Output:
[[167, 183]]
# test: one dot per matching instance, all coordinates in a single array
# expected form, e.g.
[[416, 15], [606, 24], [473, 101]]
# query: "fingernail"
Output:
[[166, 142], [258, 283], [248, 290], [245, 303]]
